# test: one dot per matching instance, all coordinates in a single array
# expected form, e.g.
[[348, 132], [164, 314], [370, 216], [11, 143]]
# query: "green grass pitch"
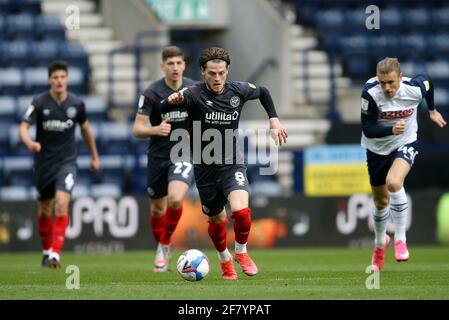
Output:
[[287, 274]]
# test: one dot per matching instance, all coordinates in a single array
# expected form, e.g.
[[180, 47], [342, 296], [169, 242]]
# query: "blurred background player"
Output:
[[389, 107], [217, 104], [56, 113], [168, 182]]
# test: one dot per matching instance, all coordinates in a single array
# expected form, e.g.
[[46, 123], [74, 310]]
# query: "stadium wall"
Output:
[[127, 19], [116, 225]]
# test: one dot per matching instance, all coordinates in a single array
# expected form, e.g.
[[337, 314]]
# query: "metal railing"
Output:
[[332, 113], [137, 48]]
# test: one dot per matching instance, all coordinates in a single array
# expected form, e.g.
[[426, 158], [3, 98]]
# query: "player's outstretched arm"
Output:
[[436, 117], [88, 136], [24, 136], [277, 130]]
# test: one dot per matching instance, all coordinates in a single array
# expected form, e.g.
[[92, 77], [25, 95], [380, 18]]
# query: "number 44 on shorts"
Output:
[[409, 152]]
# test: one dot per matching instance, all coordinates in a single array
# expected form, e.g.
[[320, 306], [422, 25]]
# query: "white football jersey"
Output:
[[403, 105]]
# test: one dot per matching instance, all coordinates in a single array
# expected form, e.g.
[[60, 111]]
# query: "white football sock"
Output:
[[224, 255], [398, 209], [54, 255], [380, 226], [240, 248], [46, 252]]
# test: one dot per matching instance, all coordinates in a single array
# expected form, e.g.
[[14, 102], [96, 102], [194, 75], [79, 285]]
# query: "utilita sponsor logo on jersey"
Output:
[[57, 125], [175, 116], [396, 114], [222, 116]]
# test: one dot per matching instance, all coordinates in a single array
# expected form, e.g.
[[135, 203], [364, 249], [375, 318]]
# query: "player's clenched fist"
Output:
[[34, 147], [176, 98], [164, 128], [399, 127]]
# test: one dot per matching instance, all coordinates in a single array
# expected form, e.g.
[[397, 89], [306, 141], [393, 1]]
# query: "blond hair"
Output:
[[388, 65]]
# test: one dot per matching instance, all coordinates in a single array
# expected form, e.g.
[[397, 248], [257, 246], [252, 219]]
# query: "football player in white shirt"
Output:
[[389, 106]]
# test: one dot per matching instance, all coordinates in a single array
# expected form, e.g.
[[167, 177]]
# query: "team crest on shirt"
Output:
[[364, 104], [234, 102], [46, 112], [71, 112], [150, 191]]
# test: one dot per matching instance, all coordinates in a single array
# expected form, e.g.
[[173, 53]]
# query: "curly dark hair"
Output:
[[214, 53]]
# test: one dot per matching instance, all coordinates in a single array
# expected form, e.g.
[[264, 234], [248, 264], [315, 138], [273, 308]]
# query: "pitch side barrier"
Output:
[[116, 225]]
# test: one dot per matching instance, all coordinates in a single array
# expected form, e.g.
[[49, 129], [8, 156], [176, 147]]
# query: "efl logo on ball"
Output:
[[193, 265]]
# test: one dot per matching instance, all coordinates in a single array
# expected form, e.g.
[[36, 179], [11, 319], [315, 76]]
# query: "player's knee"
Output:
[[45, 208], [61, 207], [157, 208], [394, 184], [381, 202], [174, 201], [219, 218]]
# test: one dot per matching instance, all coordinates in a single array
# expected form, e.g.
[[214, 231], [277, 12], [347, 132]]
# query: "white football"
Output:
[[193, 265]]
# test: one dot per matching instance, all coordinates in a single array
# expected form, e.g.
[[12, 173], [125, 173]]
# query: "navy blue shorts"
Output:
[[216, 183], [162, 171], [379, 165], [63, 180]]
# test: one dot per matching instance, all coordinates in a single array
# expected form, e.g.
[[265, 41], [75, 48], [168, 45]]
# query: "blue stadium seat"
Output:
[[11, 81], [77, 81], [5, 6], [14, 193], [440, 19], [106, 190], [115, 138], [20, 6], [414, 43], [95, 107], [438, 69], [32, 7], [16, 147], [36, 80], [80, 190], [18, 170], [417, 19], [390, 18], [354, 45], [441, 98], [23, 103], [412, 68], [21, 27], [82, 147], [355, 20], [113, 169], [16, 54], [2, 30], [329, 19], [384, 45], [74, 54], [7, 109], [50, 28], [4, 137], [440, 43], [44, 52]]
